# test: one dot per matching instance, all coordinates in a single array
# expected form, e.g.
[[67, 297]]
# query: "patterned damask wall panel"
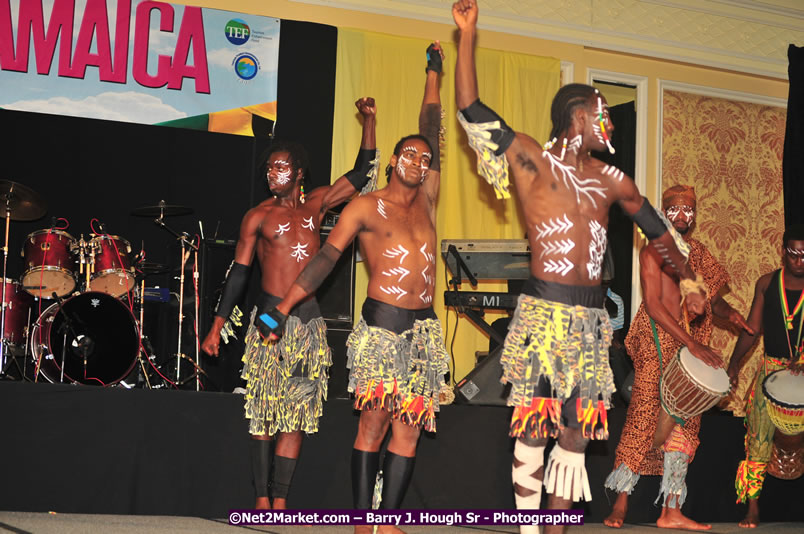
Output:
[[738, 35], [732, 153]]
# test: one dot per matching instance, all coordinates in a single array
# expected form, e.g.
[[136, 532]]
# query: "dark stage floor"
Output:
[[88, 450]]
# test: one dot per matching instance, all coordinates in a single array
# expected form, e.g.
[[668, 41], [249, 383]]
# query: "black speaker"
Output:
[[336, 296], [338, 374], [482, 385]]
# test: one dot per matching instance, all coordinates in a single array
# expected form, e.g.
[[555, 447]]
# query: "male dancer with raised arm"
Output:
[[396, 353], [556, 352], [286, 381]]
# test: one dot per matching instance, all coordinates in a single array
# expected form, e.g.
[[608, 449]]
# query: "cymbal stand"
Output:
[[140, 356], [187, 248], [196, 324], [3, 341]]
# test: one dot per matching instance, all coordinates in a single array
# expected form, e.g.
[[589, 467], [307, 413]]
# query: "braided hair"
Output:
[[567, 99]]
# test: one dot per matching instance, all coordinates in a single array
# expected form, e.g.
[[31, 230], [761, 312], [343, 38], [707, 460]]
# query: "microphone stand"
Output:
[[187, 247], [472, 315]]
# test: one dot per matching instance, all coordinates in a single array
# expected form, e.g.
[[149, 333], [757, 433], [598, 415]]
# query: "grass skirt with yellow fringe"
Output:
[[286, 379], [401, 374], [569, 346]]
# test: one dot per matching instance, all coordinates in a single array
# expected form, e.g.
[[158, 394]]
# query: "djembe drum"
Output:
[[690, 387], [784, 393]]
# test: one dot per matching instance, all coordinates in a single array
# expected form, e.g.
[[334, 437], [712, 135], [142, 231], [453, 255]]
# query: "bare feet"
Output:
[[673, 518], [617, 516], [262, 504], [752, 516], [389, 529], [364, 529], [280, 504]]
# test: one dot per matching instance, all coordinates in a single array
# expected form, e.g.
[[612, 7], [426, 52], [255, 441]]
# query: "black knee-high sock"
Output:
[[364, 475], [283, 474], [396, 472], [260, 465]]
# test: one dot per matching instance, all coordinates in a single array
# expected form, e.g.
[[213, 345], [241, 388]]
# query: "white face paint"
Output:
[[405, 159], [686, 213], [794, 253], [284, 171], [299, 251]]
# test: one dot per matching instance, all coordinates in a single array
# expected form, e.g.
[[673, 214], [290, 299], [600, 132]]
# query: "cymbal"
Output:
[[161, 210], [24, 204], [152, 267]]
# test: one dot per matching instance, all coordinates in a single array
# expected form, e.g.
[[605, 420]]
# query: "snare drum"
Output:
[[50, 267], [18, 308], [784, 392], [690, 387], [102, 324], [114, 274]]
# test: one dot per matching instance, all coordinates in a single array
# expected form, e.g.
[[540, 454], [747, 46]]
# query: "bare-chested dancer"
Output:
[[556, 352], [396, 352], [286, 381]]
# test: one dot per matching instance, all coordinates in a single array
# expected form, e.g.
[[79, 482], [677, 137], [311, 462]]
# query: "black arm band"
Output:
[[434, 62], [478, 112], [236, 282], [649, 221], [359, 175], [319, 267], [429, 126]]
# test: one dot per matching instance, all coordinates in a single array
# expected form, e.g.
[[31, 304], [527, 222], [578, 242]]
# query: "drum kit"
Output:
[[84, 329]]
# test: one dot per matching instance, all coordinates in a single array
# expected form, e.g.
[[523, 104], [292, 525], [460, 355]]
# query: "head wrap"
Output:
[[678, 194]]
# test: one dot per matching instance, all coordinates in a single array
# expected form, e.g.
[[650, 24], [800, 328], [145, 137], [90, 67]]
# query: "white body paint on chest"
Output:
[[566, 174], [597, 248], [299, 251], [381, 208], [282, 228]]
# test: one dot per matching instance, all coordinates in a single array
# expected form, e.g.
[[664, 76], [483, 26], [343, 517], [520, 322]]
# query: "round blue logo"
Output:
[[246, 66], [237, 31]]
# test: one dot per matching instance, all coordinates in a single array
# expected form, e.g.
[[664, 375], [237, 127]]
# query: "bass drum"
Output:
[[95, 324]]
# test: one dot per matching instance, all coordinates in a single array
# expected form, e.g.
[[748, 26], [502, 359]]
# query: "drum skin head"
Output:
[[786, 388], [714, 379]]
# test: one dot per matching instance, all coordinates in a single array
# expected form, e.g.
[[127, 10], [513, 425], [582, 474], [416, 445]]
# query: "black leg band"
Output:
[[260, 465], [283, 474], [364, 476], [396, 472]]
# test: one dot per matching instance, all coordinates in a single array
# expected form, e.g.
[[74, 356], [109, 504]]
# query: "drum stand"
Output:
[[187, 247]]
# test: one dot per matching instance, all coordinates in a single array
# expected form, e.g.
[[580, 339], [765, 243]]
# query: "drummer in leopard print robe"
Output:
[[661, 306]]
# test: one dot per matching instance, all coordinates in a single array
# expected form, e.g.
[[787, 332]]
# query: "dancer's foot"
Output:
[[262, 504], [389, 529], [617, 516], [364, 529], [673, 518], [280, 504], [751, 519]]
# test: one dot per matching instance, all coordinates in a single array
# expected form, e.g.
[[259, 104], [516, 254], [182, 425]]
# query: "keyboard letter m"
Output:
[[491, 301]]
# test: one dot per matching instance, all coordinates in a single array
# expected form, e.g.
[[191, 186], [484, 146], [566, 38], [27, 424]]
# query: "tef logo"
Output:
[[237, 31], [246, 66]]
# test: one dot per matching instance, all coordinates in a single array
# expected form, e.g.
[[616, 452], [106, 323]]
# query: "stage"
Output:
[[91, 450]]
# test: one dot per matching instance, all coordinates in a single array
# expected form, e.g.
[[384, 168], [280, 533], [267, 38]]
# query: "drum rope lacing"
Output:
[[676, 418]]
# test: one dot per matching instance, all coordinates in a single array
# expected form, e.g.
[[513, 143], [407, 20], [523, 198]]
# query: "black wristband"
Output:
[[434, 62], [649, 221], [478, 112], [271, 322], [359, 175], [236, 282]]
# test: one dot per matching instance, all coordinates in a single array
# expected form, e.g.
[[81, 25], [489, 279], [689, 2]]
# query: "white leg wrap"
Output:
[[531, 458], [566, 475]]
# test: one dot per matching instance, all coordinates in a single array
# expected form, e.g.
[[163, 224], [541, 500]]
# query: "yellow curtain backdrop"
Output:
[[391, 69]]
